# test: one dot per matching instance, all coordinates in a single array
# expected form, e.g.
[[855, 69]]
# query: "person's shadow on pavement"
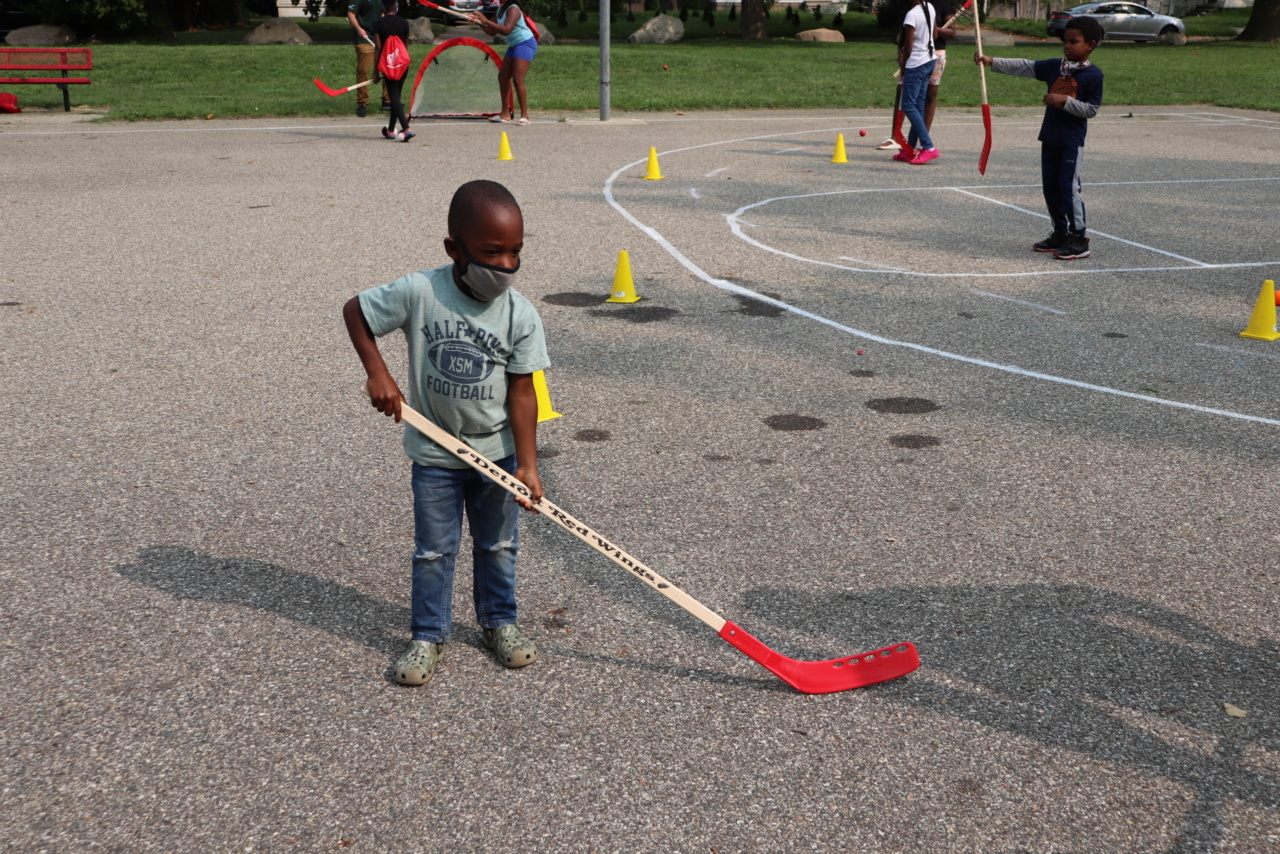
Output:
[[316, 602], [1071, 666], [341, 610]]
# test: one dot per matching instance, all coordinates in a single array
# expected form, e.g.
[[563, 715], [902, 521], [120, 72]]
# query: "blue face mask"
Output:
[[486, 281]]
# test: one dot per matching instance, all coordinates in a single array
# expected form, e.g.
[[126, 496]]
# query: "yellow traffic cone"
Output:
[[545, 410], [654, 173], [624, 287], [839, 156], [504, 148], [1263, 323]]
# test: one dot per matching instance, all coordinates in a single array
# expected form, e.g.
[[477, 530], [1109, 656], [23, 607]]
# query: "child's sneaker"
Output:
[[386, 134], [511, 646], [889, 144], [1075, 247], [1052, 243], [408, 135], [417, 664], [906, 155], [925, 155]]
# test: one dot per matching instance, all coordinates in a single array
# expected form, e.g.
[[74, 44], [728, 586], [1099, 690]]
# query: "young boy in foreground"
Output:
[[1075, 93], [474, 345]]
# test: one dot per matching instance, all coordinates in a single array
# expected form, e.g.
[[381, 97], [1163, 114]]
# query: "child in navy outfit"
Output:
[[1075, 93]]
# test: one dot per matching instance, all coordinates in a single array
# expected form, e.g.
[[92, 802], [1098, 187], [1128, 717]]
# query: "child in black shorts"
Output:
[[1075, 93]]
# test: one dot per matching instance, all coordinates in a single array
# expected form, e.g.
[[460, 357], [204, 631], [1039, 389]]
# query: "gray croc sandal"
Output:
[[417, 664], [512, 646]]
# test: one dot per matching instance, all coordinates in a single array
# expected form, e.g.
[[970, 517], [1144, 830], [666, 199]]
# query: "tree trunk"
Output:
[[754, 15], [1264, 22]]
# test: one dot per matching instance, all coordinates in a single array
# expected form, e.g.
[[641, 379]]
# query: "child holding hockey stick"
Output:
[[916, 62], [390, 35], [1075, 94], [362, 15], [474, 344], [522, 44], [943, 30]]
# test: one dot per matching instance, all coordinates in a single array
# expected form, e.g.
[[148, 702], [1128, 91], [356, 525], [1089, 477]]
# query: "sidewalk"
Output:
[[994, 38]]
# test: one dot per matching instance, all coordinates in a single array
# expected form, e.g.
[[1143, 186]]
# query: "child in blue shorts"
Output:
[[474, 344], [1075, 94], [522, 44]]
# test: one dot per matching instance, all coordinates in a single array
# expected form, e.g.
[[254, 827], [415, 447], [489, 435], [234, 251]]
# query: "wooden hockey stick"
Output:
[[986, 107], [446, 10], [809, 677], [952, 19], [333, 93]]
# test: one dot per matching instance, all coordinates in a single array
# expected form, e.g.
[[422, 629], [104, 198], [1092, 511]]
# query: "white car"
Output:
[[1120, 21], [464, 6]]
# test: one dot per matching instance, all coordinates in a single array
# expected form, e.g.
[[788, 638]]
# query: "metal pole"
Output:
[[604, 60]]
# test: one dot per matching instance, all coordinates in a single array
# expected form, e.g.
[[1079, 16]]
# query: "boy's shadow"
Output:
[[316, 602], [1096, 672], [338, 609]]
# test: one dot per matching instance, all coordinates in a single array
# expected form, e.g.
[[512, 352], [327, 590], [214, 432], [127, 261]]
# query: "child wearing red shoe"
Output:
[[916, 62]]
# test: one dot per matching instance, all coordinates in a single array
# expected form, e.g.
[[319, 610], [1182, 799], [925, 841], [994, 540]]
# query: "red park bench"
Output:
[[62, 59]]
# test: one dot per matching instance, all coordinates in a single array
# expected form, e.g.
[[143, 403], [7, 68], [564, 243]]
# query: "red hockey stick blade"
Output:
[[827, 677], [333, 93], [986, 145]]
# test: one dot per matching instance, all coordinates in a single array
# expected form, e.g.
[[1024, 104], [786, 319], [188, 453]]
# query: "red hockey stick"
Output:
[[809, 677], [333, 93], [986, 108], [898, 117]]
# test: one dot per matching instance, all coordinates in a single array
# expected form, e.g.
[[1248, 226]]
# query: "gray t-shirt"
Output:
[[460, 352]]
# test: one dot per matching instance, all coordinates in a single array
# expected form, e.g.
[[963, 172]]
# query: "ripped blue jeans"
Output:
[[439, 496]]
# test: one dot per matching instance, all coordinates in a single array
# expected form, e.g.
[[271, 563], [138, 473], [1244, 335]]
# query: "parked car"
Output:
[[1120, 21], [464, 6]]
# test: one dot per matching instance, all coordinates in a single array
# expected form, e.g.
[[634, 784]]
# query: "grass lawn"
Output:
[[150, 81], [855, 25], [1223, 24], [1034, 28]]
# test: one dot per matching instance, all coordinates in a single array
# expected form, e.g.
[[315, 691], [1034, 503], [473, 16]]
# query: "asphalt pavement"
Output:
[[851, 409]]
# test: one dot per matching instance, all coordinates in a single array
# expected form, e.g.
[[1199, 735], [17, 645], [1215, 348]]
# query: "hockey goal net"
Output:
[[458, 78]]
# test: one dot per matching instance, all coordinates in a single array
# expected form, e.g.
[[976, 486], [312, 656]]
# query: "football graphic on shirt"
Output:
[[1065, 86], [460, 361]]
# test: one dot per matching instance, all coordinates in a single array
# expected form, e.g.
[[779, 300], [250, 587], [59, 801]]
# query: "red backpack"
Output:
[[394, 62]]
